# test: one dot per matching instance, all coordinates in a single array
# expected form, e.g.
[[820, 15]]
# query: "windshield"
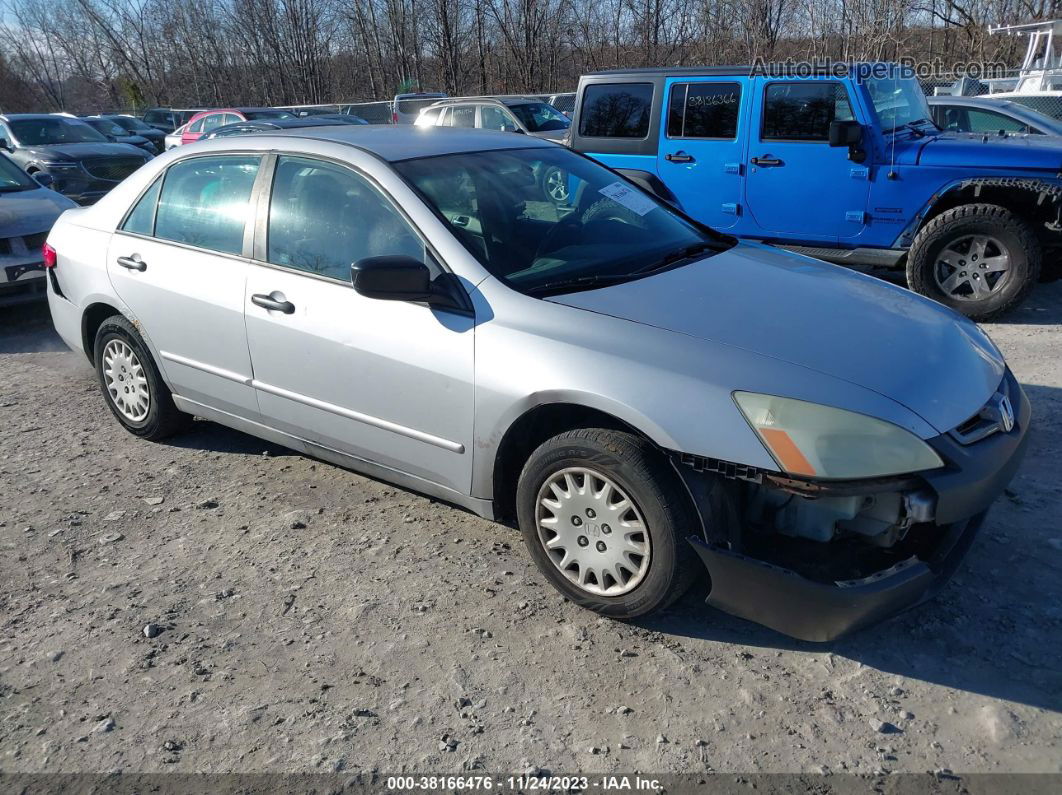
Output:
[[13, 178], [540, 117], [268, 114], [545, 220], [897, 101], [131, 124], [106, 126], [37, 132]]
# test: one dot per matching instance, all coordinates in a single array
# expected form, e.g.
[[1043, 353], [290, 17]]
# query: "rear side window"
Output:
[[429, 117], [141, 220], [803, 111], [620, 110], [463, 116], [703, 110], [323, 218], [494, 118], [205, 202]]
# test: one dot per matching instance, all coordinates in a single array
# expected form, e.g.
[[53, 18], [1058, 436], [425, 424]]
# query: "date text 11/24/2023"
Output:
[[523, 783]]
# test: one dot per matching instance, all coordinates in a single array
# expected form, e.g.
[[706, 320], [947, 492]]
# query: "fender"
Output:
[[1043, 190]]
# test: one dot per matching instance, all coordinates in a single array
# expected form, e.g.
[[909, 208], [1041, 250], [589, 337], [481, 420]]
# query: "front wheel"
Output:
[[979, 259], [555, 185], [606, 522]]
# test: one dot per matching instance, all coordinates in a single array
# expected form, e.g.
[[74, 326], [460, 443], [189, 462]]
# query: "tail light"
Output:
[[49, 255]]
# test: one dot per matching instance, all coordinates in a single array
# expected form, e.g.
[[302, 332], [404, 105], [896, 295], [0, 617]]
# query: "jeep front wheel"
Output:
[[979, 259]]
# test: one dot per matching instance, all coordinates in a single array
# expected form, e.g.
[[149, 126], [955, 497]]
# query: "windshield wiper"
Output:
[[674, 258]]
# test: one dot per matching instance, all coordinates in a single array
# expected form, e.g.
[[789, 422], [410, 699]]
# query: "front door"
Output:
[[798, 186], [386, 381], [702, 147], [177, 263]]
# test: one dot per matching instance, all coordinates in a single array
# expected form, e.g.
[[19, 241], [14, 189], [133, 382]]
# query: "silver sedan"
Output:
[[646, 398]]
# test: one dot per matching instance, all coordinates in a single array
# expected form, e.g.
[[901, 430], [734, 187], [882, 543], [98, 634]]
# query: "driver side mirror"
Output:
[[845, 133], [5, 145], [397, 277]]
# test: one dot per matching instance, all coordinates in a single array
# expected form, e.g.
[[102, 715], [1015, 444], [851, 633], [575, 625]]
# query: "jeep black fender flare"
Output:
[[1042, 191]]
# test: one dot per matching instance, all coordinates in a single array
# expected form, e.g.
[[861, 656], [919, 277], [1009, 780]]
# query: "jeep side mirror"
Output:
[[845, 133]]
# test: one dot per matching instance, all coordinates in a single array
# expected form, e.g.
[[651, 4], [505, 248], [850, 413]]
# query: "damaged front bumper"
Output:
[[814, 609]]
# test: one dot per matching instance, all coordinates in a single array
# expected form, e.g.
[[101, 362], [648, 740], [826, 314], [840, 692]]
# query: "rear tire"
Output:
[[612, 567], [131, 383], [952, 258]]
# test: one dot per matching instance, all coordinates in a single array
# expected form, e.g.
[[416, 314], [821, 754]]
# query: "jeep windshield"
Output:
[[899, 102], [546, 221], [57, 130]]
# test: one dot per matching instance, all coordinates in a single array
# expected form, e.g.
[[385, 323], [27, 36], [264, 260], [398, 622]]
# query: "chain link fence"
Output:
[[1001, 87]]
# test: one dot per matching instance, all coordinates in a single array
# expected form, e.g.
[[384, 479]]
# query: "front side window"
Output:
[[985, 121], [540, 117], [704, 110], [496, 204], [141, 220], [205, 202], [495, 118], [803, 111], [620, 110], [323, 218]]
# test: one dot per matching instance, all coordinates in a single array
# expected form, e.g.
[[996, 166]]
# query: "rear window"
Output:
[[803, 111], [414, 105], [704, 110], [620, 110]]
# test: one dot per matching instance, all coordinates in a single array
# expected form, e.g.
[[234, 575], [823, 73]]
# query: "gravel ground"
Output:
[[308, 619]]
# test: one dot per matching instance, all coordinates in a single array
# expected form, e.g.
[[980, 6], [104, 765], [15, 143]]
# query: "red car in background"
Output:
[[207, 120]]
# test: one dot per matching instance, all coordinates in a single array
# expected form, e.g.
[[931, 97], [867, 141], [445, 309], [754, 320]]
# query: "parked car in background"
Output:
[[115, 133], [209, 120], [824, 443], [135, 126], [173, 139], [990, 116], [371, 112], [169, 119], [406, 107], [82, 163], [565, 102], [265, 125], [504, 114], [310, 110], [845, 168], [27, 211]]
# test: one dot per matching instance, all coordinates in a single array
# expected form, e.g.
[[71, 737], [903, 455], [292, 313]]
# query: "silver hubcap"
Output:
[[972, 267], [592, 532], [126, 381], [557, 185]]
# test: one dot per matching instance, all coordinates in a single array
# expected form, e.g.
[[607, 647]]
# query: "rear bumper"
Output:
[[786, 601]]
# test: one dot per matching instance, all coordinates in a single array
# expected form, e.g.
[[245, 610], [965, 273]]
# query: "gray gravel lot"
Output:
[[309, 619]]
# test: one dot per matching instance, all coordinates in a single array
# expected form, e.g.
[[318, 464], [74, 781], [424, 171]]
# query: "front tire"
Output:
[[979, 259], [131, 384], [606, 522]]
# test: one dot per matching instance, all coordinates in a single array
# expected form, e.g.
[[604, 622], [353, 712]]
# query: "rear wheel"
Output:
[[131, 384], [979, 259], [606, 522]]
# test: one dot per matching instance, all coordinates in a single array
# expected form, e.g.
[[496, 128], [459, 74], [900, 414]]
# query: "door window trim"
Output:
[[259, 248], [763, 110]]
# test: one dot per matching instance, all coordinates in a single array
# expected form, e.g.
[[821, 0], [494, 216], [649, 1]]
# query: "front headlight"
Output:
[[810, 440]]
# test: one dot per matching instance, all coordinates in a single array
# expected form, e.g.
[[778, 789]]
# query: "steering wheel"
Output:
[[555, 235]]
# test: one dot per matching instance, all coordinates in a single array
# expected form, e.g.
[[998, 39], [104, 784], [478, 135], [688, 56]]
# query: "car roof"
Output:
[[507, 101], [395, 143], [18, 116]]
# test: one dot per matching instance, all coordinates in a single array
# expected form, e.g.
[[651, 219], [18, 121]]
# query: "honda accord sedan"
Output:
[[649, 401]]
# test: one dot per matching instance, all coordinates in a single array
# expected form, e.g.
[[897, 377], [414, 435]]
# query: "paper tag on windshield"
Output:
[[629, 197]]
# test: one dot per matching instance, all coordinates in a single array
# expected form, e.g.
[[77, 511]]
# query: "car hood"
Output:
[[1033, 152], [876, 335], [79, 151], [29, 212]]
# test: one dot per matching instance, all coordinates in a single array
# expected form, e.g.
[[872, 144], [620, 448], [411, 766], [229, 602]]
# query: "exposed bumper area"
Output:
[[789, 603]]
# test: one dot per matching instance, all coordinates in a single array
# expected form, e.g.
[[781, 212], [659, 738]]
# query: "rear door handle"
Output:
[[133, 263], [268, 302], [766, 160], [678, 157]]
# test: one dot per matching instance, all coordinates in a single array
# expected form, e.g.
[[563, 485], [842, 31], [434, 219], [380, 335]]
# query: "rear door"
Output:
[[389, 382], [799, 187], [177, 262], [702, 147]]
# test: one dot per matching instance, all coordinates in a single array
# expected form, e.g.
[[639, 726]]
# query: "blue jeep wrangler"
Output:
[[841, 162]]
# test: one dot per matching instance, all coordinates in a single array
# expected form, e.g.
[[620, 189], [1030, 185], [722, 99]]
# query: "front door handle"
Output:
[[133, 263], [766, 160], [678, 157], [268, 302]]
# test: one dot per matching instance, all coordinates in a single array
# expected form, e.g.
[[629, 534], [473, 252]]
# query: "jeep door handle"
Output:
[[766, 160], [268, 302], [133, 263], [678, 157]]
